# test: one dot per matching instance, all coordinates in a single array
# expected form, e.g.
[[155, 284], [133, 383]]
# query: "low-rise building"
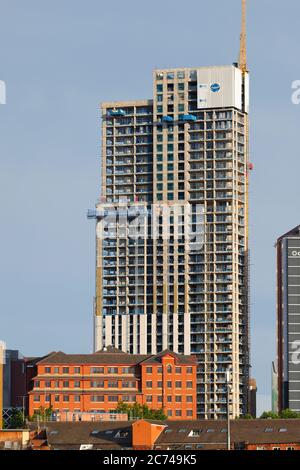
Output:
[[98, 382], [15, 439], [256, 434]]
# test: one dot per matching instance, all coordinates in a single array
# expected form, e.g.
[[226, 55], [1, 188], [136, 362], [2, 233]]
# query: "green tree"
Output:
[[16, 421], [289, 414], [137, 410], [42, 414], [246, 416], [269, 415]]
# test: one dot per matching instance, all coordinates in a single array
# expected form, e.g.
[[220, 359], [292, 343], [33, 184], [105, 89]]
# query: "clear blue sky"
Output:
[[59, 61]]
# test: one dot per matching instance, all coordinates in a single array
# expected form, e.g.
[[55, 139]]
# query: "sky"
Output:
[[59, 60]]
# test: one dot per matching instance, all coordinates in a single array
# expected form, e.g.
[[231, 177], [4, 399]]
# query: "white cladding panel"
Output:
[[219, 87]]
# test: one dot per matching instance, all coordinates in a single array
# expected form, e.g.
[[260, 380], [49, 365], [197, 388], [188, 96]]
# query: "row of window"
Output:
[[178, 384], [78, 383], [111, 398], [93, 370]]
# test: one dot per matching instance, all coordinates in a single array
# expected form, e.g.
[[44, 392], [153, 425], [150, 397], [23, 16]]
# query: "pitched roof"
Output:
[[295, 232], [113, 356], [179, 358], [101, 435], [212, 434]]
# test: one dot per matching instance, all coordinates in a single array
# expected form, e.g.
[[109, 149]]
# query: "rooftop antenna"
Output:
[[243, 40]]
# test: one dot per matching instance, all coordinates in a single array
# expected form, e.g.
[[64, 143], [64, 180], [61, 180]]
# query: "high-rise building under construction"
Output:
[[172, 226]]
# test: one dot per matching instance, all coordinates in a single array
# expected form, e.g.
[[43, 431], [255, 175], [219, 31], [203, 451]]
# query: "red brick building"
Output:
[[98, 382]]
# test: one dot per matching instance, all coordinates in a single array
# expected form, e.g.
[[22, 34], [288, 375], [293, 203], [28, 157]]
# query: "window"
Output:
[[56, 398], [159, 384], [65, 383], [66, 398], [159, 87], [126, 384], [159, 186], [149, 384], [178, 370], [127, 370], [112, 370], [149, 398], [189, 412], [169, 384], [178, 398], [113, 398], [97, 370], [169, 413], [169, 369], [170, 196], [97, 384], [48, 384], [169, 398], [65, 370], [77, 398], [47, 370], [149, 370], [76, 370], [159, 167], [195, 432], [170, 186], [159, 399], [178, 384], [37, 383], [170, 75], [189, 399], [181, 74], [56, 370], [77, 383], [97, 398], [181, 108], [181, 86], [189, 385], [36, 398], [189, 370], [48, 398], [112, 384]]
